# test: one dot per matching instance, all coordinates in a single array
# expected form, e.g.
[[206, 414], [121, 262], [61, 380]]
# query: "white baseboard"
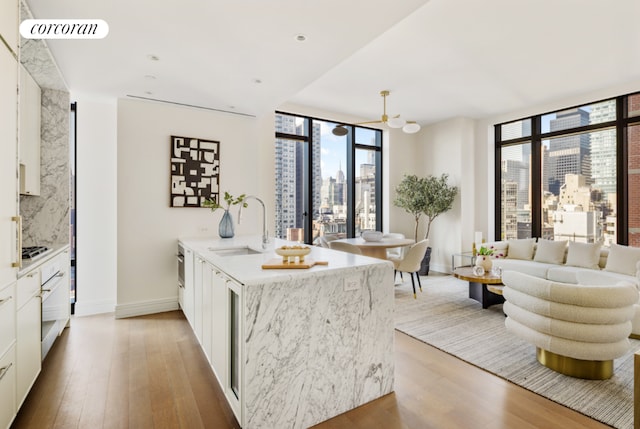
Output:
[[440, 268], [146, 307], [84, 308]]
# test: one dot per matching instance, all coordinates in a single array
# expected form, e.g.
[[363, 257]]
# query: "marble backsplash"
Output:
[[46, 218]]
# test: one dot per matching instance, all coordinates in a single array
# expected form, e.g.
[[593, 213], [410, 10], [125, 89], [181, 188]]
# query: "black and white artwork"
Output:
[[195, 171]]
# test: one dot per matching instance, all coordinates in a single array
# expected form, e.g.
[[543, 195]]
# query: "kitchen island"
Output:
[[290, 347]]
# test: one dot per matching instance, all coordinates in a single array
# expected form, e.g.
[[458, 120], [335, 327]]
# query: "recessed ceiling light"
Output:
[[231, 106], [153, 57], [148, 92], [257, 81], [301, 37], [150, 77]]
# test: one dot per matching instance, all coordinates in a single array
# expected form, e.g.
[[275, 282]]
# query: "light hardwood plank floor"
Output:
[[149, 372]]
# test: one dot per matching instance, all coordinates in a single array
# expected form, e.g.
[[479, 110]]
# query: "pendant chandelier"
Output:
[[409, 127]]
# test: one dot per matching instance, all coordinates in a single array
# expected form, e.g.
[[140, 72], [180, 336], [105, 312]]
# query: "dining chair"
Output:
[[410, 262], [324, 240], [345, 247], [395, 252]]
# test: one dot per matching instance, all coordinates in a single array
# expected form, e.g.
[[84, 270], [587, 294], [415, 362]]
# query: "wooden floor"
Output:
[[149, 372]]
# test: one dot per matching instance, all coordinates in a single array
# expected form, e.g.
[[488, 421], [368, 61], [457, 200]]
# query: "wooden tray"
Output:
[[276, 263]]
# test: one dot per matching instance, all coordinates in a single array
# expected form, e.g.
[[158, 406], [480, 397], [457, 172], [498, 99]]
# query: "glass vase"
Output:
[[225, 229]]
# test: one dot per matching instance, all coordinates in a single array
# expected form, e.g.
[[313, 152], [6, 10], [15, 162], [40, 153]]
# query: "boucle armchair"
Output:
[[578, 329]]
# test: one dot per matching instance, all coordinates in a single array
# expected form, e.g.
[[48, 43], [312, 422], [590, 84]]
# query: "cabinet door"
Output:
[[8, 406], [188, 292], [9, 23], [29, 134], [197, 307], [28, 346], [207, 274], [8, 173], [7, 318], [219, 327]]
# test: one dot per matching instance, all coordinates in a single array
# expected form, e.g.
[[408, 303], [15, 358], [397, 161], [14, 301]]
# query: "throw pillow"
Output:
[[550, 251], [584, 255], [521, 249], [623, 259]]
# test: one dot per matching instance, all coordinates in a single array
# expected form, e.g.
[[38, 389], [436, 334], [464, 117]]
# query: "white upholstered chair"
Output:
[[395, 252], [324, 240], [345, 247], [578, 329], [410, 262]]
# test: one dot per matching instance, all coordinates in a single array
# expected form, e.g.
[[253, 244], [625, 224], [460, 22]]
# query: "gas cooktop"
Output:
[[31, 252]]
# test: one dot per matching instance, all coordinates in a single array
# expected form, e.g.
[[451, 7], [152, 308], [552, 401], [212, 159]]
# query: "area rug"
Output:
[[445, 317]]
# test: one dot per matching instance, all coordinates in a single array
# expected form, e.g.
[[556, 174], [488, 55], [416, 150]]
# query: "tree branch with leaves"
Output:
[[429, 196]]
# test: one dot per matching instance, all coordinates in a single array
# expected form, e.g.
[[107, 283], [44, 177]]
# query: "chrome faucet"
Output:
[[265, 234]]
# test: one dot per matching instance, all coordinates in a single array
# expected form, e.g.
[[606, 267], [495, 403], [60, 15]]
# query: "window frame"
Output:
[[620, 123], [352, 147]]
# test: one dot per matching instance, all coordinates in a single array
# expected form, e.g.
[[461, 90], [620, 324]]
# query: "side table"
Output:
[[478, 286]]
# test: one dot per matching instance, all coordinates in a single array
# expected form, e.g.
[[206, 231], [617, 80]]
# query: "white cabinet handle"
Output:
[[4, 370]]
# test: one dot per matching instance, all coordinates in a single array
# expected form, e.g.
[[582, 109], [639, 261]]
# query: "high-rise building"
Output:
[[603, 149], [568, 154], [287, 177]]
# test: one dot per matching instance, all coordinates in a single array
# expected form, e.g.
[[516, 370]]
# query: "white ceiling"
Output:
[[440, 59]]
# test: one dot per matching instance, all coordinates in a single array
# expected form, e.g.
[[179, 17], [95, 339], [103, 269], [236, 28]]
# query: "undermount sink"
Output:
[[237, 251]]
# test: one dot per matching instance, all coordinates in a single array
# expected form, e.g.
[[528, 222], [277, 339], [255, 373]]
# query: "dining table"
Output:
[[377, 249]]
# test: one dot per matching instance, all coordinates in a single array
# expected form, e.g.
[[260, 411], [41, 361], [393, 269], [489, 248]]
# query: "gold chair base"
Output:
[[587, 369], [634, 336]]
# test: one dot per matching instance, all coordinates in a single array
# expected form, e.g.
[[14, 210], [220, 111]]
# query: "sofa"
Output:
[[571, 262]]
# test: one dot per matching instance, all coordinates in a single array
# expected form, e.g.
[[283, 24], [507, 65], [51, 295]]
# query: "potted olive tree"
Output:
[[429, 196]]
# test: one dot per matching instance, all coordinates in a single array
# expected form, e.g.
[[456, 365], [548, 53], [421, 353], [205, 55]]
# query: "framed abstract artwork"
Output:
[[195, 171]]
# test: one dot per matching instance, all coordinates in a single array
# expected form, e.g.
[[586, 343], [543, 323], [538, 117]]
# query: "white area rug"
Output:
[[445, 317]]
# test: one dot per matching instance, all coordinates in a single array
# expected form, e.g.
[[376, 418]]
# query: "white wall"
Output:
[[147, 227], [448, 147], [96, 204]]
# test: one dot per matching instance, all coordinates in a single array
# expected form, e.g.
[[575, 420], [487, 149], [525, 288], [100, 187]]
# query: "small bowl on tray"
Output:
[[290, 253]]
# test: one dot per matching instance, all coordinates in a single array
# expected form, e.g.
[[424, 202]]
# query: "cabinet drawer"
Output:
[[27, 287], [7, 317], [8, 387]]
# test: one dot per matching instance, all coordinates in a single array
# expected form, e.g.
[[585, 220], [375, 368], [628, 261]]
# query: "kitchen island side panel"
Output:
[[317, 345]]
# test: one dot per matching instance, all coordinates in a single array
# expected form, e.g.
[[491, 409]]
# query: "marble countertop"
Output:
[[247, 269]]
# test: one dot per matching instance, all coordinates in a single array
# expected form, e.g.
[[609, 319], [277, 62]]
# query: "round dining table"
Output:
[[377, 249]]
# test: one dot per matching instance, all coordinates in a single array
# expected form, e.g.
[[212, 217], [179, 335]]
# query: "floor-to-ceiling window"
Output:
[[572, 174], [326, 183]]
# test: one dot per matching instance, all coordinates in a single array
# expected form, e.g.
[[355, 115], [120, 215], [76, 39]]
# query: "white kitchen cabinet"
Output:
[[29, 133], [9, 258], [188, 293], [218, 315], [219, 326], [197, 296], [28, 334], [207, 283], [8, 387], [7, 318], [9, 23], [8, 406]]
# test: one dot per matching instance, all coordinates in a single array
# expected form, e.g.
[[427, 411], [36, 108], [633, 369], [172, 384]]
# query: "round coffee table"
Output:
[[478, 286]]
